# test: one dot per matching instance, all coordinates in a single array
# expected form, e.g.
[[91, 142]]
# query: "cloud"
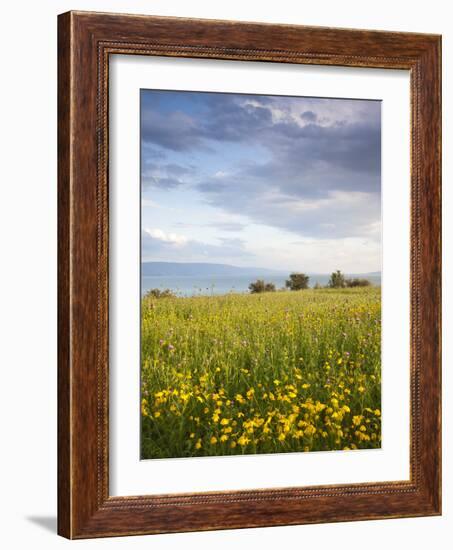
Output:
[[309, 116], [158, 245], [228, 226], [337, 214], [168, 238], [310, 166], [222, 117], [165, 175], [175, 131]]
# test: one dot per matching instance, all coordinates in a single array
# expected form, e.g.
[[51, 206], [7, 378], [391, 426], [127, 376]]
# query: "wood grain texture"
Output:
[[86, 40]]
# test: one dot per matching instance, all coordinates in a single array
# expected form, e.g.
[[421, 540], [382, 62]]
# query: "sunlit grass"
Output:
[[264, 373]]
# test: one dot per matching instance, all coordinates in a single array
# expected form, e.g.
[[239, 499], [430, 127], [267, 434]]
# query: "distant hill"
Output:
[[179, 269]]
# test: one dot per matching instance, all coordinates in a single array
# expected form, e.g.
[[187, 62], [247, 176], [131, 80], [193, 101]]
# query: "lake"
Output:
[[223, 284]]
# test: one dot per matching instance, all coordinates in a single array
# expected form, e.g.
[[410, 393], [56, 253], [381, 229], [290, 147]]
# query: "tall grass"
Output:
[[263, 373]]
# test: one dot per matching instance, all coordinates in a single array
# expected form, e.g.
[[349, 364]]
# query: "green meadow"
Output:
[[261, 373]]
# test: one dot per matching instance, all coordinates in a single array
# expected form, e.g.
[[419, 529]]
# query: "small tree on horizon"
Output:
[[337, 280], [297, 281], [158, 293], [260, 286], [351, 283]]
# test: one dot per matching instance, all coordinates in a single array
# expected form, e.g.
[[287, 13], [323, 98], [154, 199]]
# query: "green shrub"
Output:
[[260, 286], [297, 281]]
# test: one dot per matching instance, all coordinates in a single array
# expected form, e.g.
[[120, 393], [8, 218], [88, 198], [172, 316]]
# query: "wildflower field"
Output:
[[261, 373]]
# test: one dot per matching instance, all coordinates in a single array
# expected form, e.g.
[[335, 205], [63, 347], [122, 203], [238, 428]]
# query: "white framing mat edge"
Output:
[[128, 474]]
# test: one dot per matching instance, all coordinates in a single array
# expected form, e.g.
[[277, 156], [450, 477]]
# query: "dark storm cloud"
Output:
[[313, 160], [223, 118], [353, 146], [175, 131], [309, 116]]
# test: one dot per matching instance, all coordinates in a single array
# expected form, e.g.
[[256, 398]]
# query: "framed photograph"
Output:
[[249, 275]]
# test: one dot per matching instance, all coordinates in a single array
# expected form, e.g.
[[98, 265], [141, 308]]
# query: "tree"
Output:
[[297, 281], [357, 282], [157, 293], [337, 280], [260, 286]]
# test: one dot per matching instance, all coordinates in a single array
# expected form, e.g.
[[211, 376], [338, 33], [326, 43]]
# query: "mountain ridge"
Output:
[[200, 269]]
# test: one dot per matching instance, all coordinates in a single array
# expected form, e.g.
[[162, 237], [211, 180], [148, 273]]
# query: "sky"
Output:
[[286, 183]]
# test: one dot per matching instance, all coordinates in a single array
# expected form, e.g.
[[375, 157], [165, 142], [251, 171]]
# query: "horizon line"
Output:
[[260, 267]]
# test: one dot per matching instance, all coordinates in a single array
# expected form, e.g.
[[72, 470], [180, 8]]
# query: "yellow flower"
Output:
[[198, 444], [223, 437], [243, 440], [225, 421], [356, 420], [310, 430], [213, 440], [144, 407]]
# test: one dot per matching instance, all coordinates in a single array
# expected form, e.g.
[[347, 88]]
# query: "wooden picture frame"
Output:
[[85, 42]]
